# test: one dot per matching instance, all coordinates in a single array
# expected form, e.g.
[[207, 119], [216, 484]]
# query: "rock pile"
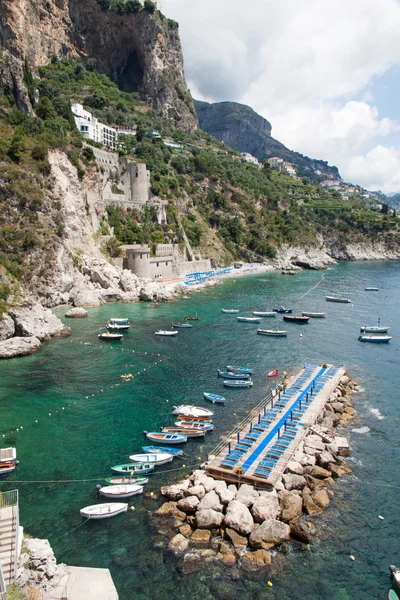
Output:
[[38, 569], [211, 520]]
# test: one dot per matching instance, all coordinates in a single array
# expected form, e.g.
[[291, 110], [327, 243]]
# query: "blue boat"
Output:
[[194, 424], [283, 310], [234, 369], [162, 437], [233, 375], [375, 339], [214, 398], [162, 450]]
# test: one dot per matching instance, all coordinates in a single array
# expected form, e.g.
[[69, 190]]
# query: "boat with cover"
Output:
[[103, 511], [248, 319], [111, 337], [160, 450], [283, 310], [339, 299], [192, 411], [313, 315], [272, 332], [121, 491], [192, 318], [182, 326], [395, 575], [166, 438], [194, 425], [119, 321], [233, 375], [371, 289], [295, 319], [374, 329], [263, 313], [238, 384], [214, 398], [185, 431], [123, 480], [132, 469], [375, 339], [230, 311], [152, 459], [165, 333], [238, 369], [116, 327]]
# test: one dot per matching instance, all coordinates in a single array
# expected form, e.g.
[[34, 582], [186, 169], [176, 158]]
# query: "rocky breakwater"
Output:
[[38, 573], [205, 519]]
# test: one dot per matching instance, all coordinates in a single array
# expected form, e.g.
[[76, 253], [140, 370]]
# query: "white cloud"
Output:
[[379, 165], [300, 64]]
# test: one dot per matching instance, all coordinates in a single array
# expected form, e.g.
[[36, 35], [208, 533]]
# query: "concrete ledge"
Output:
[[90, 584]]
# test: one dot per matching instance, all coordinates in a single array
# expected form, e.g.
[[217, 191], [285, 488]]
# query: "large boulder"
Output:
[[170, 509], [200, 478], [294, 467], [325, 458], [266, 507], [226, 554], [238, 541], [247, 495], [19, 346], [321, 498], [309, 506], [178, 544], [302, 530], [210, 500], [238, 517], [256, 561], [225, 495], [7, 327], [293, 482], [269, 534], [320, 473], [314, 441], [201, 538], [209, 519], [175, 492], [149, 291], [196, 490], [128, 281], [76, 313], [81, 295], [291, 505], [188, 504], [164, 296], [38, 322]]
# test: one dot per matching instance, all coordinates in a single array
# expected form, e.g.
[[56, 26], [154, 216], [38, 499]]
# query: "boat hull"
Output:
[[238, 384], [194, 425], [132, 468], [111, 337], [283, 311], [164, 438], [121, 491], [291, 319], [338, 300], [314, 315], [185, 431], [233, 375], [271, 333], [151, 459], [114, 327], [182, 326], [248, 319], [214, 398], [258, 313], [192, 411], [374, 329], [228, 311], [238, 369], [123, 480], [161, 450], [103, 511], [375, 339], [166, 333]]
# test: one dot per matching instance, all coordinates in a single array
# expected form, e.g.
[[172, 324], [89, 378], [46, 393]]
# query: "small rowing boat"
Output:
[[132, 469], [272, 332], [116, 327], [119, 321], [185, 431], [339, 299], [233, 375], [165, 333], [371, 289], [7, 467], [263, 313], [182, 326], [194, 425], [197, 419], [192, 318], [111, 337], [374, 329], [103, 511], [375, 339], [166, 438], [230, 311], [121, 491], [123, 480], [248, 319], [313, 315], [392, 595], [238, 384], [295, 319], [152, 459], [192, 411], [395, 575], [283, 310], [161, 450], [214, 398], [238, 369]]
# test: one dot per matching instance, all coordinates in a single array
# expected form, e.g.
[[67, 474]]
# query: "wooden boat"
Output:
[[313, 315], [248, 319], [239, 369], [339, 299], [230, 311], [392, 595], [103, 511], [185, 431], [395, 575], [238, 384], [7, 467], [166, 438], [123, 480], [165, 333], [152, 459], [295, 319], [161, 450], [272, 332], [263, 313], [182, 326], [198, 419], [371, 289], [111, 337], [121, 491], [375, 339], [283, 310], [119, 321], [194, 425], [116, 327], [214, 398], [374, 329], [233, 375], [192, 318], [132, 469], [192, 411]]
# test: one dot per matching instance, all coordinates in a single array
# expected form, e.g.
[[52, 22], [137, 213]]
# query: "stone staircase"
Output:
[[9, 530]]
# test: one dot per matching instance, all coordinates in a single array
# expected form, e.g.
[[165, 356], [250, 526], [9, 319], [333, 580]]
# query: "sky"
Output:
[[325, 73]]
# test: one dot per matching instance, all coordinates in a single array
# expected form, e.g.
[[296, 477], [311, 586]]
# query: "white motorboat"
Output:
[[338, 299], [374, 329], [111, 337], [248, 319], [119, 321], [192, 411], [166, 333], [103, 511], [230, 311], [375, 339], [115, 327], [313, 315], [371, 289], [264, 313], [121, 491], [272, 332], [153, 459]]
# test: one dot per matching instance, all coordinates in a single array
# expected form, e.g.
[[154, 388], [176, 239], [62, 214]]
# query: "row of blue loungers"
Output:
[[287, 432]]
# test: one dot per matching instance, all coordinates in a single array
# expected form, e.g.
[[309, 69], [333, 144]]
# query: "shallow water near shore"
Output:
[[76, 423]]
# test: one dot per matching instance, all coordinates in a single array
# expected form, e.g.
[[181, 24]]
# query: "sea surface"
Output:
[[71, 417]]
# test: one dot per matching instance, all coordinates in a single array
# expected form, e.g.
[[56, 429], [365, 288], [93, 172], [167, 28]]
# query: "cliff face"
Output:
[[140, 51], [240, 127]]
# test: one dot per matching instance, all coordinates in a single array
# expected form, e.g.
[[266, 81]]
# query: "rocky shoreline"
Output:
[[206, 520]]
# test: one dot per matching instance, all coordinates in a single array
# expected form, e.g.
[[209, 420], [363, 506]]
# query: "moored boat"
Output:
[[165, 333], [7, 467], [374, 329], [395, 575], [230, 311], [238, 384], [295, 319], [194, 425], [339, 299], [198, 419], [233, 375], [111, 337], [192, 411], [272, 332], [214, 398], [264, 313], [313, 315], [283, 310], [182, 326], [248, 319], [166, 438], [371, 289], [239, 369], [132, 469], [184, 431], [121, 491], [161, 450], [392, 595], [152, 459], [126, 479], [375, 339], [119, 321], [103, 511], [192, 318], [116, 327]]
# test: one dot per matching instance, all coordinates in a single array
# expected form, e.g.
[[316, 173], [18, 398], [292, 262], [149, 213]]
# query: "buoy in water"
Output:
[[352, 557], [269, 584], [381, 518], [301, 335], [132, 508]]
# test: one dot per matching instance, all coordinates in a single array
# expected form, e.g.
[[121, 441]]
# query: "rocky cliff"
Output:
[[140, 51], [240, 127]]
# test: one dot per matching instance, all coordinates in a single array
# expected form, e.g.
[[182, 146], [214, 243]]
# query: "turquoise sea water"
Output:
[[73, 430]]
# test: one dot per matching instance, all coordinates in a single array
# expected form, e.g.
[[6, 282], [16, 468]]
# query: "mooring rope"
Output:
[[313, 287]]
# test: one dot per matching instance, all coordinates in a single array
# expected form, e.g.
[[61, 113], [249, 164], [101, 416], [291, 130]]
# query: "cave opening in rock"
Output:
[[130, 77]]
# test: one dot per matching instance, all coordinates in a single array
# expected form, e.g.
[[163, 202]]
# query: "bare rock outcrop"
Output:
[[19, 346], [7, 327], [76, 313], [269, 534], [37, 321], [238, 517]]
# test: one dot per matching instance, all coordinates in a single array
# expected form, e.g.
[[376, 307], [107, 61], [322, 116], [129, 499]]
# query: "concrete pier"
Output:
[[90, 584]]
